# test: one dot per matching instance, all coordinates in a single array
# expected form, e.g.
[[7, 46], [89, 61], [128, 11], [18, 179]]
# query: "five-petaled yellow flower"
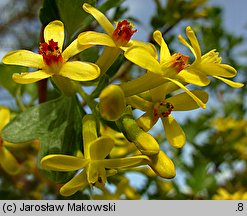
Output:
[[7, 160], [119, 37], [95, 167], [115, 40], [51, 61], [205, 65], [161, 71], [161, 107]]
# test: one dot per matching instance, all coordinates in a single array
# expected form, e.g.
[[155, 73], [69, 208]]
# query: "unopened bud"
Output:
[[143, 140], [162, 165], [112, 103]]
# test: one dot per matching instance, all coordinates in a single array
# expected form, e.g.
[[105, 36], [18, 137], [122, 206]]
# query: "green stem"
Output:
[[19, 101], [88, 100]]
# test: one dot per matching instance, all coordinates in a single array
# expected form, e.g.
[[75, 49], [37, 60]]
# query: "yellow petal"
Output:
[[55, 30], [174, 133], [164, 50], [192, 37], [230, 83], [143, 58], [197, 100], [80, 71], [95, 38], [8, 162], [125, 162], [89, 133], [73, 49], [101, 147], [79, 182], [193, 76], [100, 17], [148, 46], [26, 78], [139, 103], [184, 42], [183, 101], [146, 121], [4, 117], [93, 172], [58, 162], [24, 58], [215, 69]]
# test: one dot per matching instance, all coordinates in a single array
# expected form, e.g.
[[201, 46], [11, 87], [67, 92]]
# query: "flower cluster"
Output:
[[113, 138]]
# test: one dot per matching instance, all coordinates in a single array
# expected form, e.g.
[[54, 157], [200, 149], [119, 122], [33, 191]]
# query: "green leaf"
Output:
[[73, 16], [56, 124], [89, 55], [49, 12], [70, 13], [6, 81]]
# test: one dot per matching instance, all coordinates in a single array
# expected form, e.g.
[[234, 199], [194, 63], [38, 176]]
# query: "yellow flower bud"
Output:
[[162, 165], [143, 140], [112, 103]]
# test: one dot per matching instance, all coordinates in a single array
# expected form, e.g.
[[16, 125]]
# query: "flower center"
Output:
[[123, 32], [179, 61], [50, 52], [162, 109]]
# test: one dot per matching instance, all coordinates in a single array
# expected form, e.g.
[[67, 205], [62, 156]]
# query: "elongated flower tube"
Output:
[[95, 167], [52, 61], [161, 71], [162, 165], [208, 64], [115, 39], [143, 140], [161, 107], [7, 160]]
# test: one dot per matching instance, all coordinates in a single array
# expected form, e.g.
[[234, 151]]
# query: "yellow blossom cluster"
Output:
[[106, 149]]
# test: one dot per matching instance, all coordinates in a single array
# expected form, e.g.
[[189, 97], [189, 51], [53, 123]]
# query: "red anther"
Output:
[[179, 61], [50, 52], [123, 33]]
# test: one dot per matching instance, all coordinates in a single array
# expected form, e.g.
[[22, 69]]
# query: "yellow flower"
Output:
[[7, 160], [123, 188], [122, 146], [205, 65], [223, 194], [95, 167], [160, 107], [52, 62], [161, 71], [115, 39], [118, 38]]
